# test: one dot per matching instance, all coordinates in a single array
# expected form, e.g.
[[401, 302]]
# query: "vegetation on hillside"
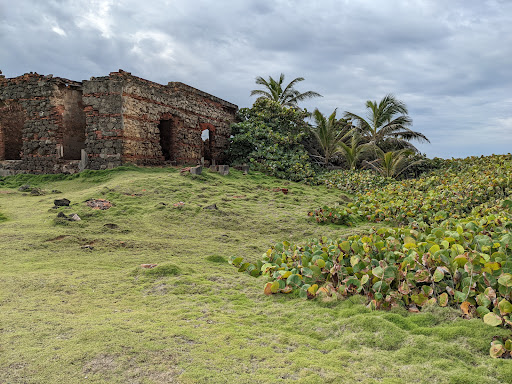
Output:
[[453, 245]]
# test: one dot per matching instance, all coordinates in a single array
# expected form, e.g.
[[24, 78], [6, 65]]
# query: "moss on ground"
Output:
[[75, 304]]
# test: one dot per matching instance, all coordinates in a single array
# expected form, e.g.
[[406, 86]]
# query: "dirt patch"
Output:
[[101, 204], [102, 364]]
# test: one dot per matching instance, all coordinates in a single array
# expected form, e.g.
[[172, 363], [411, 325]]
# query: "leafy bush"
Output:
[[453, 190], [354, 181], [464, 263], [269, 137]]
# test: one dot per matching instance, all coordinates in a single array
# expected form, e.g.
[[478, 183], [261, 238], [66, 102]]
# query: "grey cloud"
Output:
[[449, 61]]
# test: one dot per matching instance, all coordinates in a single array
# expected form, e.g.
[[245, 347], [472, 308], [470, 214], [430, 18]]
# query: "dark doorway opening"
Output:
[[166, 136], [12, 120], [73, 124]]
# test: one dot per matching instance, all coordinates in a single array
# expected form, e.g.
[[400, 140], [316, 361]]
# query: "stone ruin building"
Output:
[[54, 125]]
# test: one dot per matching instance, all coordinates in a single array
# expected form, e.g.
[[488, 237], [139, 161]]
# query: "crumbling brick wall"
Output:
[[48, 124], [35, 110], [146, 123]]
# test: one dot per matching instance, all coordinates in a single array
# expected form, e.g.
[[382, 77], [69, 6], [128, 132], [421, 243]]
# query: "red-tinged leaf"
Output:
[[268, 289], [413, 309], [466, 308]]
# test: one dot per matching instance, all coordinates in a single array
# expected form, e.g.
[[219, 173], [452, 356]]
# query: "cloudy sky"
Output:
[[450, 61]]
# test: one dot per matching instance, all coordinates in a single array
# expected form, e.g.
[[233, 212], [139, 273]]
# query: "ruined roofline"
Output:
[[34, 75], [174, 85]]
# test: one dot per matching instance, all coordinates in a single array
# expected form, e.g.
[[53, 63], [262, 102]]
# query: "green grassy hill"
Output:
[[76, 307]]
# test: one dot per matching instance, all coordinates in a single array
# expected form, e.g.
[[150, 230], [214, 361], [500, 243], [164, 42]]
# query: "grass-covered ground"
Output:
[[75, 307]]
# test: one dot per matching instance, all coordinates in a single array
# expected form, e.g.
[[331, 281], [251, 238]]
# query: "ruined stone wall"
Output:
[[148, 108], [33, 102], [102, 98], [47, 124]]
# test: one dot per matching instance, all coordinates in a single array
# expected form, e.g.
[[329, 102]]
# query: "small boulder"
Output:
[[61, 202], [196, 170]]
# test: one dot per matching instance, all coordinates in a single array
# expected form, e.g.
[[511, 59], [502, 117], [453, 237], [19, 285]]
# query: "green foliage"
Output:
[[455, 189], [2, 217], [353, 181], [276, 91], [464, 263], [387, 124], [393, 163], [329, 133], [270, 136]]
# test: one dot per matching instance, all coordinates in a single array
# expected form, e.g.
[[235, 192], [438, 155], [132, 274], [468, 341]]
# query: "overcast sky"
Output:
[[450, 61]]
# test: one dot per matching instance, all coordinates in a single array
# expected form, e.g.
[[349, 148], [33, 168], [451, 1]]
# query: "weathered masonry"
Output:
[[52, 125]]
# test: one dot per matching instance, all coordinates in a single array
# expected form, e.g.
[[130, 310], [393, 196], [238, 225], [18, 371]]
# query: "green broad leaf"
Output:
[[316, 270], [443, 299], [255, 272], [505, 280], [438, 275], [459, 296], [497, 350], [505, 307], [294, 280], [419, 299], [274, 288], [482, 311], [483, 300], [378, 272], [307, 272], [460, 230], [492, 319], [484, 240], [344, 246], [445, 244], [244, 266], [364, 279], [235, 260], [433, 249], [320, 263], [312, 290], [266, 267], [508, 345], [459, 249], [354, 260]]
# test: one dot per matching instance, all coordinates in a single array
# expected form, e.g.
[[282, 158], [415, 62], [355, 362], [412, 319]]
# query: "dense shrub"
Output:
[[270, 137]]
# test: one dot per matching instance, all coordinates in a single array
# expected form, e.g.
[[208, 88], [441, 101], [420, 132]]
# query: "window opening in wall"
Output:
[[12, 120], [166, 128], [207, 146]]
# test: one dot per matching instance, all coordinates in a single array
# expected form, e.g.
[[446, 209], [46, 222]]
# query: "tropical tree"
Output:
[[329, 133], [286, 96], [354, 150], [393, 163], [387, 124]]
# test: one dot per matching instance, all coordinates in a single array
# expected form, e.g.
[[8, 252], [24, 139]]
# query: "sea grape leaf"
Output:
[[505, 307], [443, 299], [492, 319]]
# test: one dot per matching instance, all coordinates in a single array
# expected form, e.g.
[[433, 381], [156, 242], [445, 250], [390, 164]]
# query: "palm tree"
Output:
[[353, 151], [387, 123], [393, 163], [287, 97], [329, 133]]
